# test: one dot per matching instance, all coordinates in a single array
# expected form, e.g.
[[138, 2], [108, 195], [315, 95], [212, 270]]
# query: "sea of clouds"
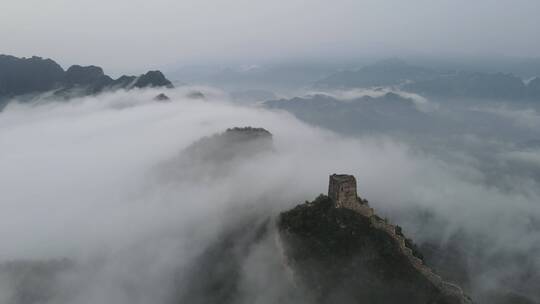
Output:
[[81, 180]]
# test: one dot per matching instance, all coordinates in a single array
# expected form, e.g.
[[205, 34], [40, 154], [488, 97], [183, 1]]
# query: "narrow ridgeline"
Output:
[[340, 249]]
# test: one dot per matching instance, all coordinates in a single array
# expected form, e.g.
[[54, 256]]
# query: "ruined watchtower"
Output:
[[342, 191]]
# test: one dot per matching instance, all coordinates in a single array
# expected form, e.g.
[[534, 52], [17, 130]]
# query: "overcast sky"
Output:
[[130, 35]]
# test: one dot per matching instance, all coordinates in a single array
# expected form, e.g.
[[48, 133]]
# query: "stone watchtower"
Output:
[[342, 191]]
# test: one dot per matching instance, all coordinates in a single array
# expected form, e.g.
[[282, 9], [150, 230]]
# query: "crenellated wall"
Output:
[[342, 190]]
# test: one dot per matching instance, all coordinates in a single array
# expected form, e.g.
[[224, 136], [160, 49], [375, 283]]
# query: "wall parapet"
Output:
[[342, 191]]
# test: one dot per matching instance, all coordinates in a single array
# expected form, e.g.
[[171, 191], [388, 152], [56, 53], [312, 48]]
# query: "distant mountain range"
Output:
[[21, 76], [383, 73], [435, 83], [265, 77], [389, 111]]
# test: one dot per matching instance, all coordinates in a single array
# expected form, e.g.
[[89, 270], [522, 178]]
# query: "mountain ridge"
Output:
[[35, 75], [341, 234], [431, 82]]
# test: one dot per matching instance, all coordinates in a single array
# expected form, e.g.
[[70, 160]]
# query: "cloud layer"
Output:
[[81, 180]]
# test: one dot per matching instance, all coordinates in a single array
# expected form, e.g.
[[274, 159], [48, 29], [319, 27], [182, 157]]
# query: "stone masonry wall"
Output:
[[342, 190]]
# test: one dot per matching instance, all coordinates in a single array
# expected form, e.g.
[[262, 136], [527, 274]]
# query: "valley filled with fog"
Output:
[[103, 192], [263, 152]]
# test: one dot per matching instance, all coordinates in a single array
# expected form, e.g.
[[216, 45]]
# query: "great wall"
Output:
[[342, 191]]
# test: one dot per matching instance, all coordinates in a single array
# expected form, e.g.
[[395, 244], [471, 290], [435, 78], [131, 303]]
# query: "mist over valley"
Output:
[[270, 153]]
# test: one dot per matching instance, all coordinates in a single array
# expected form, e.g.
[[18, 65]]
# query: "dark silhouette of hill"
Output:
[[342, 257], [20, 76], [216, 155], [363, 114], [24, 75]]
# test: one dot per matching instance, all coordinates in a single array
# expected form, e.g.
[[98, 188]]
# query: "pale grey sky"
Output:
[[128, 35]]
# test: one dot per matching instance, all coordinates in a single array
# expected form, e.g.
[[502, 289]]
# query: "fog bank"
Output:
[[82, 180]]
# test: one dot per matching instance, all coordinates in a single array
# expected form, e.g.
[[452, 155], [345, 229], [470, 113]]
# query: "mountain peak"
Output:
[[360, 255], [83, 75], [152, 79], [35, 75]]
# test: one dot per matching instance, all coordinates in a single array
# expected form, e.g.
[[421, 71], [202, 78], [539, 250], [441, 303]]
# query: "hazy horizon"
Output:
[[127, 36]]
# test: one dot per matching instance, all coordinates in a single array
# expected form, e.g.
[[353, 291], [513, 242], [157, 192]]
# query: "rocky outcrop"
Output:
[[152, 79], [161, 97]]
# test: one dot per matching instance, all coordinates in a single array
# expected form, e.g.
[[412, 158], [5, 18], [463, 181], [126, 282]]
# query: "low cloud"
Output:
[[524, 118], [81, 180], [421, 103]]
